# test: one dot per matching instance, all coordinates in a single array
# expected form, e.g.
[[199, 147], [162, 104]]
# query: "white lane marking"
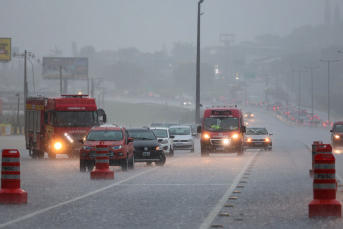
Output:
[[84, 196], [207, 223], [174, 184]]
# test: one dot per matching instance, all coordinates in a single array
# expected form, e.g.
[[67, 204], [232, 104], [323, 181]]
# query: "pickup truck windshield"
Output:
[[75, 118], [221, 124]]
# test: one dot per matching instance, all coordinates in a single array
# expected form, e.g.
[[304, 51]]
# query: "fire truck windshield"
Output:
[[75, 118], [221, 124]]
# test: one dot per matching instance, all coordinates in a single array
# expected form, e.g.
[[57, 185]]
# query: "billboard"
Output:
[[5, 49], [72, 67]]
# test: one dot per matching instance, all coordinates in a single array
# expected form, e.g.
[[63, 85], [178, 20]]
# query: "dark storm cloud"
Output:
[[148, 24]]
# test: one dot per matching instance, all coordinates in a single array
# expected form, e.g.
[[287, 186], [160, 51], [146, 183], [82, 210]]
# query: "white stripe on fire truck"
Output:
[[102, 154]]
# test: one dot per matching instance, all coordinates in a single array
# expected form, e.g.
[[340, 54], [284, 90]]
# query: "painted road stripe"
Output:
[[213, 214], [84, 196]]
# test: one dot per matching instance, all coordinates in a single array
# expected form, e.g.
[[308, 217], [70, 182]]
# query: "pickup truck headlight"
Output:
[[117, 147], [87, 147]]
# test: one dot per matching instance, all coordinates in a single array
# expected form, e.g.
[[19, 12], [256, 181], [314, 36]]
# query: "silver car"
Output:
[[257, 138], [183, 137]]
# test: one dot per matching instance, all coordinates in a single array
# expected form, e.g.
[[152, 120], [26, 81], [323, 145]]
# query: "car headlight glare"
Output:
[[206, 136], [117, 147], [249, 139], [159, 148], [337, 136], [267, 140], [252, 115], [235, 136], [58, 145], [226, 141], [245, 115]]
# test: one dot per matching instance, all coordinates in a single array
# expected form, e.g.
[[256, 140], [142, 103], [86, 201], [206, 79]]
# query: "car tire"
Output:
[[204, 153], [125, 164], [90, 166], [171, 152], [132, 163], [162, 161], [52, 155], [40, 154], [83, 165], [240, 151]]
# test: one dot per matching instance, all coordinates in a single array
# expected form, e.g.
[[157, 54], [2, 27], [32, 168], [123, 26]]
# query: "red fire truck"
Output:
[[54, 125], [222, 130]]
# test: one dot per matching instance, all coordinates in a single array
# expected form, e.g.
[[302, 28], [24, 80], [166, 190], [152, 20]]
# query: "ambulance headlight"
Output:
[[58, 145]]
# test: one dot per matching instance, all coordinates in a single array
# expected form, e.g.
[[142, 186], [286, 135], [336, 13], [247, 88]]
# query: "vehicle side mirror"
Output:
[[199, 130], [159, 140], [104, 118], [243, 129], [81, 140], [270, 134], [130, 140], [172, 136], [331, 131]]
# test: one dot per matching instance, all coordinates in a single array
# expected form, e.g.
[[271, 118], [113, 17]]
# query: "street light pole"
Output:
[[197, 96], [328, 61], [18, 108], [311, 92]]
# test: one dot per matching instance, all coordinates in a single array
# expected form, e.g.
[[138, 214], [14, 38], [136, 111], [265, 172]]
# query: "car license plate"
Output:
[[146, 154], [179, 144], [220, 148], [258, 143]]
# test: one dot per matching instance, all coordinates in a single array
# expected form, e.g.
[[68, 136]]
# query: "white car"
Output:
[[183, 137], [257, 137], [167, 140]]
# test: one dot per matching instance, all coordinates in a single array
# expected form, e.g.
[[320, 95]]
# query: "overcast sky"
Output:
[[39, 25]]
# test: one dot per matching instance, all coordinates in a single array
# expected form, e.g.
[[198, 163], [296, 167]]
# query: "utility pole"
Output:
[[311, 92], [328, 61], [60, 80], [197, 95], [18, 108]]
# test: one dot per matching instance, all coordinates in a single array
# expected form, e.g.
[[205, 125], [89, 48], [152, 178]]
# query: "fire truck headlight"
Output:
[[117, 147], [206, 136], [235, 136], [65, 134], [336, 136], [58, 145], [226, 141]]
